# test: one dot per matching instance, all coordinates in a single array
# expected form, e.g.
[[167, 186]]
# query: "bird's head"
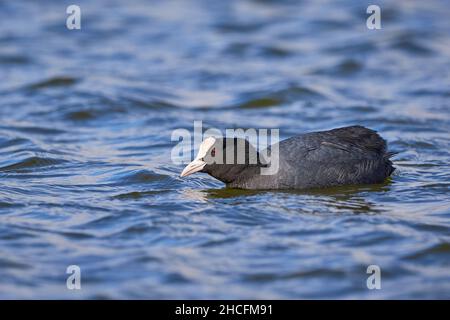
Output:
[[224, 159]]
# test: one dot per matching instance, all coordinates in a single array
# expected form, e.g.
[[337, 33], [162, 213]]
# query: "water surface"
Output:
[[86, 176]]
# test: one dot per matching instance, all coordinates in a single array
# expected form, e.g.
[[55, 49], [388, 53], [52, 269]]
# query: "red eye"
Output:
[[213, 152]]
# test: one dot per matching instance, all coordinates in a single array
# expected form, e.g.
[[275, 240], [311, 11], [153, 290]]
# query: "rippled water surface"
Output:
[[86, 176]]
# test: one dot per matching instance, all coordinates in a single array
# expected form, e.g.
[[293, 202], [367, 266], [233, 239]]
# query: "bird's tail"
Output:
[[389, 165]]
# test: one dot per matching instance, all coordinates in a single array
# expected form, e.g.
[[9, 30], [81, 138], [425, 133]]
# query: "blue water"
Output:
[[86, 176]]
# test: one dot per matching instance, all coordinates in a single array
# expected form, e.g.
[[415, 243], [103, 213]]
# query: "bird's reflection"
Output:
[[346, 198]]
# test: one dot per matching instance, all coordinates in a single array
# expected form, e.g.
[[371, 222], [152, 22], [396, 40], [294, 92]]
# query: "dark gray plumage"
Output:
[[343, 156]]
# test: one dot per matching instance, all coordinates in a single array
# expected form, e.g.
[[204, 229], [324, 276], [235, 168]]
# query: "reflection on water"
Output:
[[86, 176]]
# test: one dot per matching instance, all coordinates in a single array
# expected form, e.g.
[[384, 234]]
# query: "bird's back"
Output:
[[343, 156]]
